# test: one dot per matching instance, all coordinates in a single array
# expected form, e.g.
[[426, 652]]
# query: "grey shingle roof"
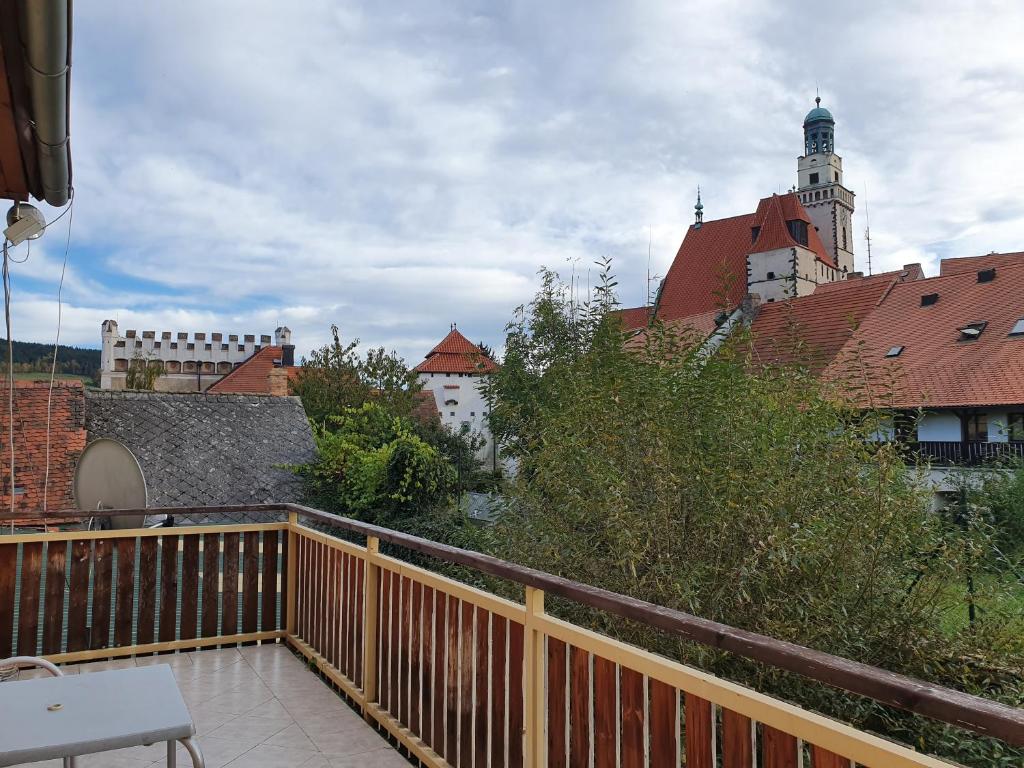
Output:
[[202, 449]]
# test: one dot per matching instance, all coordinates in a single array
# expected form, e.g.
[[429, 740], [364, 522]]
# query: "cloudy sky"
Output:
[[395, 167]]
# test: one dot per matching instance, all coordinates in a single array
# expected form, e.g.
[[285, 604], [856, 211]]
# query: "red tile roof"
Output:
[[694, 328], [909, 272], [252, 377], [936, 368], [425, 408], [67, 441], [976, 263], [710, 268], [634, 318], [456, 354], [812, 329]]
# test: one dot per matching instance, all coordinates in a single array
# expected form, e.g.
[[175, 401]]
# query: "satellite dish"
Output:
[[108, 476]]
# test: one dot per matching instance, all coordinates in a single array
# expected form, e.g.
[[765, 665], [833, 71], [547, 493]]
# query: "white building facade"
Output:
[[455, 371], [187, 362]]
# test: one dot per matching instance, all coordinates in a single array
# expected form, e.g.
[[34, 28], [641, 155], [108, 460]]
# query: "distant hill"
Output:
[[30, 357]]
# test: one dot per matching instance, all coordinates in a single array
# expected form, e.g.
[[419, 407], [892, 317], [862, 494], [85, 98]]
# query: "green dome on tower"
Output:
[[818, 114]]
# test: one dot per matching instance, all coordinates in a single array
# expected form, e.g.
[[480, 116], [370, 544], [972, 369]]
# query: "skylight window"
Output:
[[928, 299], [987, 275], [894, 351], [1018, 328], [971, 331]]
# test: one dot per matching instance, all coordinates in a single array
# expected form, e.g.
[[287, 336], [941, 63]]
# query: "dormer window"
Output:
[[798, 231], [928, 299], [1018, 328], [971, 331], [987, 275], [754, 232]]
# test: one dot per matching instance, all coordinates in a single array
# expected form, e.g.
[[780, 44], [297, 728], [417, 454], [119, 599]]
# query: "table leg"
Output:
[[172, 754], [194, 752]]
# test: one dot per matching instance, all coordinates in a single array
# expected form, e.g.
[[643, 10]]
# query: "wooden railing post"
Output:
[[534, 687], [293, 569], [370, 623]]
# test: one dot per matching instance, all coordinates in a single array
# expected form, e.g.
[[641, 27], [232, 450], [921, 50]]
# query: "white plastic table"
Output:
[[61, 717]]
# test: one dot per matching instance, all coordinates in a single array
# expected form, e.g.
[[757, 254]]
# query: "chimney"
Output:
[[287, 355], [277, 382], [854, 275]]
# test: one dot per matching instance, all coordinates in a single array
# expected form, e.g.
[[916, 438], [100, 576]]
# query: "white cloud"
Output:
[[394, 168]]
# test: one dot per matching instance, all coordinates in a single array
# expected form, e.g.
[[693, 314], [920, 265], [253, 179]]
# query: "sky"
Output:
[[396, 167]]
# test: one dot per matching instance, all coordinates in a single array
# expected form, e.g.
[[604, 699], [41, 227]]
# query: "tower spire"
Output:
[[698, 211]]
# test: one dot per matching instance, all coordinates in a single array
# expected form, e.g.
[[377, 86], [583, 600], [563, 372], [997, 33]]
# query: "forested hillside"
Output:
[[30, 357]]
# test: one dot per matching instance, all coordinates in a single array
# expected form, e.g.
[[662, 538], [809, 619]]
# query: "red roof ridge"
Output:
[[456, 354]]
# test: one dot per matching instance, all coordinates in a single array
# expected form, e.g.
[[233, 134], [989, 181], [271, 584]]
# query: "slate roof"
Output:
[[456, 354], [252, 376], [937, 366], [207, 449]]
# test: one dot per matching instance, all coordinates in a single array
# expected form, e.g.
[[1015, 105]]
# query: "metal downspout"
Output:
[[46, 38]]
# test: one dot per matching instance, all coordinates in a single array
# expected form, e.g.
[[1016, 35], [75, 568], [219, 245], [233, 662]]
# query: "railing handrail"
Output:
[[947, 705]]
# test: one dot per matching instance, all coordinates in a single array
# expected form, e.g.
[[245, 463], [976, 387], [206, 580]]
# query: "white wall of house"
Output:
[[461, 402], [939, 426]]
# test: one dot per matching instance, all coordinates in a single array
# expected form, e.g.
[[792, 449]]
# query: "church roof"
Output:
[[817, 114], [710, 268], [456, 354], [975, 263]]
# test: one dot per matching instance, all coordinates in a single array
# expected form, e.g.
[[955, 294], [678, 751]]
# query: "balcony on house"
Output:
[[298, 642], [958, 453]]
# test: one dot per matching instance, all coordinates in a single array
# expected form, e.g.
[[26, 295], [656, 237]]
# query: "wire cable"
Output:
[[56, 346], [10, 370]]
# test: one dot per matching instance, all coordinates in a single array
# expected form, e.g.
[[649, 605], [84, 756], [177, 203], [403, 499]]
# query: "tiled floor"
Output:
[[255, 707]]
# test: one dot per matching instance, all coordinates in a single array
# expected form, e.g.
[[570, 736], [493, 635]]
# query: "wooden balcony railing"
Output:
[[457, 675]]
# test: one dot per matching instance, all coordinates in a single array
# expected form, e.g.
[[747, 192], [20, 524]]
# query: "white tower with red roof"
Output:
[[821, 190], [455, 371]]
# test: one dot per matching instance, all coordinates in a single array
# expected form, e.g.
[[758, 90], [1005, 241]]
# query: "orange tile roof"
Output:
[[252, 377], [710, 268], [909, 272], [425, 408], [694, 327], [936, 368], [812, 329], [633, 318], [976, 263], [67, 441], [456, 354]]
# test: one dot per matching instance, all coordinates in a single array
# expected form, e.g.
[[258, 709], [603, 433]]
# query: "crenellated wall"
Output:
[[189, 362]]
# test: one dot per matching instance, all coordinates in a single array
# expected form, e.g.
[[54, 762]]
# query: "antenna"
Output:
[[650, 237], [867, 229]]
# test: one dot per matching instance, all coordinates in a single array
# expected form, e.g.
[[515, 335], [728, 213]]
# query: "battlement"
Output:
[[189, 362]]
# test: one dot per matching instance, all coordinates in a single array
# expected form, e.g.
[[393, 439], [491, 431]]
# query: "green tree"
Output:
[[745, 495], [142, 373], [329, 380]]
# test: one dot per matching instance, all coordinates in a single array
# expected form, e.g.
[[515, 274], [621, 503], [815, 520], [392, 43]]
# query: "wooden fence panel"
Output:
[[557, 703], [357, 633], [189, 587], [168, 587], [124, 597], [251, 582], [78, 602], [395, 675], [700, 733], [211, 584], [481, 675], [439, 671], [229, 592], [664, 724], [53, 605], [415, 657], [737, 740], [451, 750], [8, 584], [631, 717], [822, 758], [28, 609], [427, 666], [268, 621], [384, 641], [102, 569], [579, 708], [516, 712], [467, 653], [778, 749], [499, 688], [605, 713], [147, 590]]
